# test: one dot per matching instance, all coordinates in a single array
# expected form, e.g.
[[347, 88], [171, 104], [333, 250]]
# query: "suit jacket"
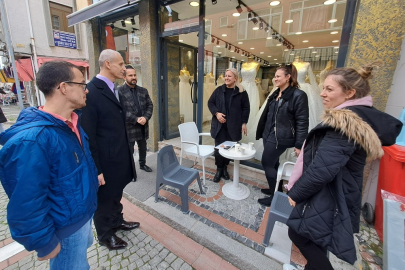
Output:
[[103, 120], [128, 103]]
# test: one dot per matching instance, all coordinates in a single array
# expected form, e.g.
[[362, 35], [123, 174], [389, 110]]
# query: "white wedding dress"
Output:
[[314, 100], [249, 84], [185, 104], [220, 81]]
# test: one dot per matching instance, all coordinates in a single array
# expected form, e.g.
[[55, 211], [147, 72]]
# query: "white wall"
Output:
[[20, 32], [396, 99]]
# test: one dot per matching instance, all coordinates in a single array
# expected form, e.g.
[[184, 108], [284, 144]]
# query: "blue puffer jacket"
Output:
[[50, 179]]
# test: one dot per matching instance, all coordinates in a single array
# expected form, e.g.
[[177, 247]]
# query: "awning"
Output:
[[96, 9], [24, 69], [79, 63]]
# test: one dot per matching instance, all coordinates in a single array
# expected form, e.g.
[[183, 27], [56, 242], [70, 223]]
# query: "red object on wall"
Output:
[[110, 42], [391, 178]]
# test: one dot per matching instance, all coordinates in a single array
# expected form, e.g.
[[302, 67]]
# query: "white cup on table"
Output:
[[242, 150], [251, 146], [237, 147]]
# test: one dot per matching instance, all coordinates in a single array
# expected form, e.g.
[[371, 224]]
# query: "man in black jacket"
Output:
[[138, 109], [103, 120]]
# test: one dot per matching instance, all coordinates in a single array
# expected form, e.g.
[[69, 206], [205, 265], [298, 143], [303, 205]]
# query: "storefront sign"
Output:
[[63, 39]]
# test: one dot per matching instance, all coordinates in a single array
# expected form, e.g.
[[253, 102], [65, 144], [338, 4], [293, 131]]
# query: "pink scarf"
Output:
[[299, 165]]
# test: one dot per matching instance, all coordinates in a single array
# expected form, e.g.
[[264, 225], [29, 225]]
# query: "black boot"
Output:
[[219, 173], [225, 174]]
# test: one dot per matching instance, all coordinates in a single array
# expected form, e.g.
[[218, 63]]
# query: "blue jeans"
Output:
[[73, 252]]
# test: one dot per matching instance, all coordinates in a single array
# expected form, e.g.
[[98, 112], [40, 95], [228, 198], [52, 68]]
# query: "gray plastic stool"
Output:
[[280, 210], [170, 172]]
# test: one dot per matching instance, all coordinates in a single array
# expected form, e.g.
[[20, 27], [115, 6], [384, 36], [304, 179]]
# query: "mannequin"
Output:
[[311, 89], [220, 80], [185, 104], [322, 76], [249, 72], [209, 87]]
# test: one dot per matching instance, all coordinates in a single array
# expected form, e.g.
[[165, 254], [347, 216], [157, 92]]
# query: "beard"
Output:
[[131, 82]]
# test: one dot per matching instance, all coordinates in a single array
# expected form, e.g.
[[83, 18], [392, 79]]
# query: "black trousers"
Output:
[[108, 214], [270, 162], [142, 147], [316, 255], [223, 135]]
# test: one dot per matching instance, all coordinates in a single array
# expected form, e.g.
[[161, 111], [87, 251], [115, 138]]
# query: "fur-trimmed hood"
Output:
[[354, 127]]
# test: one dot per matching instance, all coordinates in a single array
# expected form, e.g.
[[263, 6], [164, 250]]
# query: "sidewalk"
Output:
[[218, 233]]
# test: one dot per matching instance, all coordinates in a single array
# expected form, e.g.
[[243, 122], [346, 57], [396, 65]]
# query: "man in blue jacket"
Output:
[[48, 173]]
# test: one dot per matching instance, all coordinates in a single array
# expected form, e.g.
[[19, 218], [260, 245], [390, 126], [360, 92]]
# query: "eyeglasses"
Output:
[[83, 84]]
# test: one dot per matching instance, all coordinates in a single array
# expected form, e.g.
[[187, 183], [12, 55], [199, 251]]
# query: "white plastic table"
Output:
[[235, 190]]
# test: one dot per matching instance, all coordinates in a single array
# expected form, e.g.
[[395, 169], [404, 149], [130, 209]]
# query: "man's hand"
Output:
[[221, 117], [101, 181], [292, 203], [51, 255], [244, 129], [297, 151], [141, 120]]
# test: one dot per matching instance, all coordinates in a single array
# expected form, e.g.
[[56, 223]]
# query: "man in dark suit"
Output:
[[103, 119], [138, 109]]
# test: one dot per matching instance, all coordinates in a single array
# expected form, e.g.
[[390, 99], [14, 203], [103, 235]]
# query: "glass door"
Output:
[[180, 85]]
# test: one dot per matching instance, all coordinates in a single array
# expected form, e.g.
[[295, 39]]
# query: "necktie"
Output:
[[116, 94]]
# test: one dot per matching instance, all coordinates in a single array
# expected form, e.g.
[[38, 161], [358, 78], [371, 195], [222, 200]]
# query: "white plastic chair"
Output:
[[190, 143]]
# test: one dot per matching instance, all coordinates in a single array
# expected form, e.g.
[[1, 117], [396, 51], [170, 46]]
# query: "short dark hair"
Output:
[[128, 66], [52, 73]]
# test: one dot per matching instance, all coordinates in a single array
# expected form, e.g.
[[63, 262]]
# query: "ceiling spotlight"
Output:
[[278, 44], [250, 16], [298, 33], [267, 29], [310, 47], [332, 21], [239, 8], [314, 52], [291, 53], [274, 3], [269, 56], [269, 37], [240, 42], [289, 21], [337, 47], [123, 23], [219, 52], [212, 39], [133, 21], [305, 41], [232, 51], [261, 25], [217, 41], [180, 40], [286, 50], [335, 41], [226, 45], [218, 46], [236, 14], [254, 20], [275, 60], [215, 1], [224, 35], [329, 2], [194, 4], [316, 55], [261, 52], [252, 48], [336, 52], [255, 28], [334, 32], [233, 56]]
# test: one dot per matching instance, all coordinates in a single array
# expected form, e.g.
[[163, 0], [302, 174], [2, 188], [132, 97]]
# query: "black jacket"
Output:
[[103, 119], [127, 101], [292, 118], [239, 109], [328, 194]]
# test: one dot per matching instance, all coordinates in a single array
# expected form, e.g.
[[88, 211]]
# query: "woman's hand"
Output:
[[297, 151], [221, 117], [244, 129], [292, 203]]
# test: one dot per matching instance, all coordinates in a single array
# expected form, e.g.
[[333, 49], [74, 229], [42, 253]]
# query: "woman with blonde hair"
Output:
[[229, 106], [325, 187]]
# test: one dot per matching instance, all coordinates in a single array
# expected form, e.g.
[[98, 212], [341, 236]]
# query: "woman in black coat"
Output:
[[326, 185], [283, 124], [230, 108]]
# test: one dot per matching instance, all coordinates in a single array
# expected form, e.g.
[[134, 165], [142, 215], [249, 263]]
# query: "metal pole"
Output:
[[201, 54], [11, 52]]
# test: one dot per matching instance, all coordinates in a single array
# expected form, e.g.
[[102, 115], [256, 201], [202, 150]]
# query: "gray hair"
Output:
[[106, 55]]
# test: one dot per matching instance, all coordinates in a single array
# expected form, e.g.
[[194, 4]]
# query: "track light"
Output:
[[250, 16], [226, 45], [217, 41], [261, 26], [267, 29], [254, 20], [123, 23], [239, 8], [214, 2], [112, 26], [212, 39], [133, 21]]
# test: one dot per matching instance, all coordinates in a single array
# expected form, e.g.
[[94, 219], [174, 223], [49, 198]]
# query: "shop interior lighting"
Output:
[[236, 14], [261, 52], [250, 16], [311, 47], [212, 39], [269, 56], [255, 28], [226, 45], [133, 21], [239, 8], [334, 32], [278, 44], [274, 3], [240, 42], [269, 37], [194, 4], [332, 21], [298, 33], [254, 20], [180, 40], [289, 21], [261, 26], [217, 41], [329, 2], [275, 60], [292, 53], [215, 1], [123, 23], [267, 30], [305, 41], [224, 35], [335, 41], [337, 47], [286, 50]]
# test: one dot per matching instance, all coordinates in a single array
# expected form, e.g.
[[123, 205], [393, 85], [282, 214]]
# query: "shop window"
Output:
[[58, 17]]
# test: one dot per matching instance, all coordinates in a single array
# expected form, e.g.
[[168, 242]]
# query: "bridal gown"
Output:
[[209, 87], [220, 81], [185, 104], [249, 84], [314, 100]]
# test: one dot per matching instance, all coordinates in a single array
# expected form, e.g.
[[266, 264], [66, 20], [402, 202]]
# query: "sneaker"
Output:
[[287, 266], [266, 201]]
